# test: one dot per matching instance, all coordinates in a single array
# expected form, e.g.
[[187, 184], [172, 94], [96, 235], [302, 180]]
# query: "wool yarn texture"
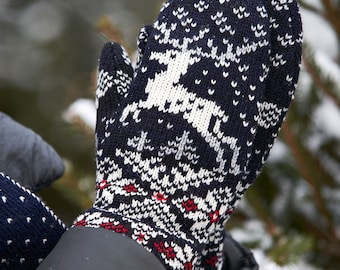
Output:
[[29, 229], [181, 137]]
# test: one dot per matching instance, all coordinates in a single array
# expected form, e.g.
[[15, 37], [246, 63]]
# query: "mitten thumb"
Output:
[[115, 74]]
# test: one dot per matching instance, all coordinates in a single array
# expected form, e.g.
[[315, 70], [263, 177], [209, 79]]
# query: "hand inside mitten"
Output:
[[180, 140], [193, 129]]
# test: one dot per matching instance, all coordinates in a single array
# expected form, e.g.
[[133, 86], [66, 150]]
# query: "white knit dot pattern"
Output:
[[29, 229], [212, 86]]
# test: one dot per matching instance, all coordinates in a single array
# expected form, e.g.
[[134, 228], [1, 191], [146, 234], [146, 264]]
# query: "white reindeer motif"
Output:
[[168, 96]]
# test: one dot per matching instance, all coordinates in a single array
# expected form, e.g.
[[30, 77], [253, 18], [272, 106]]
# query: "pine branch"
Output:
[[297, 152], [111, 32], [259, 203], [316, 74], [332, 15], [320, 236], [289, 249], [309, 226], [310, 7]]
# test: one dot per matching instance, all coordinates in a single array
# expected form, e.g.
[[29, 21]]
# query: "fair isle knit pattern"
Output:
[[28, 229], [181, 139]]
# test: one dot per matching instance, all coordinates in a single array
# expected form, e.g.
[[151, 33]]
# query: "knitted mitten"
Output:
[[179, 144], [28, 229], [285, 39]]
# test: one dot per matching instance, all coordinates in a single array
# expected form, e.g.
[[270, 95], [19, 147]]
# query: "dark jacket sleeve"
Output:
[[90, 248], [236, 256], [25, 157]]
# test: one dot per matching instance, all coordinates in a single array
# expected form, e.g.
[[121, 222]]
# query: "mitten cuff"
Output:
[[175, 252]]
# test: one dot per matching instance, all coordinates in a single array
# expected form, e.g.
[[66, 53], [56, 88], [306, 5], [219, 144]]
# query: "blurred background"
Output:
[[48, 57]]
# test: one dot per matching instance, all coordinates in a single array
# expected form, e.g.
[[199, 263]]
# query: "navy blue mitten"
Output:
[[180, 139], [28, 229]]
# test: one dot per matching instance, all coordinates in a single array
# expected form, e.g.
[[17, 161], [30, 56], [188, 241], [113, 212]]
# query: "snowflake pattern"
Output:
[[213, 83]]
